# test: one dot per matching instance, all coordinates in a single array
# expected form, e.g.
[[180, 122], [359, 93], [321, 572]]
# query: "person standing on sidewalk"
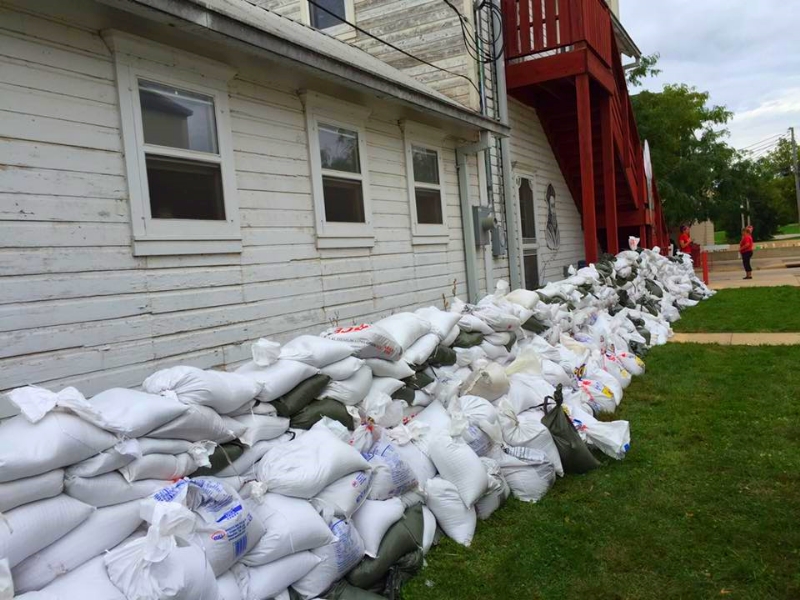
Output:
[[746, 247]]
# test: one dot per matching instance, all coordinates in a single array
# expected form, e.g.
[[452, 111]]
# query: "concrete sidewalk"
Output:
[[738, 339], [721, 280]]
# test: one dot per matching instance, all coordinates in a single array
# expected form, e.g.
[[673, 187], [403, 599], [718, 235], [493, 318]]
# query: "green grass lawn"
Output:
[[705, 505], [745, 310], [787, 229]]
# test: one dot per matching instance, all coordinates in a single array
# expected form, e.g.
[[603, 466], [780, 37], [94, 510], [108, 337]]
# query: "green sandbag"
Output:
[[418, 380], [468, 339], [345, 591], [296, 399], [534, 325], [511, 343], [400, 573], [223, 455], [653, 288], [333, 409], [404, 393], [442, 357], [575, 454], [403, 537]]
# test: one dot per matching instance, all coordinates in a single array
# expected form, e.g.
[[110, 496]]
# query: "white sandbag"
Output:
[[496, 494], [526, 430], [344, 496], [367, 341], [244, 465], [57, 440], [458, 463], [422, 399], [6, 582], [421, 350], [490, 382], [397, 369], [451, 337], [199, 423], [278, 378], [265, 352], [290, 525], [157, 566], [384, 411], [497, 318], [392, 476], [305, 466], [466, 357], [525, 298], [456, 519], [434, 419], [337, 559], [499, 338], [123, 454], [315, 350], [229, 587], [405, 327], [349, 391], [374, 519], [420, 464], [111, 488], [495, 353], [169, 466], [224, 525], [597, 395], [267, 581], [30, 489], [612, 438], [28, 528], [470, 323], [442, 322], [529, 473], [261, 427], [87, 581], [224, 392], [103, 530], [632, 363], [527, 391], [344, 368], [385, 385], [428, 529]]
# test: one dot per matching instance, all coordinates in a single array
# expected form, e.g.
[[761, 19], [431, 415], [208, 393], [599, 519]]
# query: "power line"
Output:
[[392, 46], [770, 138], [471, 38]]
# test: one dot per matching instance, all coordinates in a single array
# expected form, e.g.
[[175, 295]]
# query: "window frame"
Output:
[[528, 248], [139, 59], [321, 109], [343, 31], [427, 138]]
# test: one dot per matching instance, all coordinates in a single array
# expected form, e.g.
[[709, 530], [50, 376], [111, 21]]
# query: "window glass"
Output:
[[426, 165], [184, 189], [338, 149], [429, 206], [526, 214], [177, 118], [321, 19], [531, 268], [344, 200]]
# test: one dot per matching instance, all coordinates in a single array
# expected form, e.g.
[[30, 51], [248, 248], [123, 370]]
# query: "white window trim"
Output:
[[343, 31], [422, 136], [330, 111], [536, 247], [137, 58]]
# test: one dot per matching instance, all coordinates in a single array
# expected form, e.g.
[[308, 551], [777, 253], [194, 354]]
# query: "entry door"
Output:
[[526, 199]]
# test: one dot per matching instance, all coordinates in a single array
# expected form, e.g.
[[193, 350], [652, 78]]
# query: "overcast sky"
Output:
[[746, 53]]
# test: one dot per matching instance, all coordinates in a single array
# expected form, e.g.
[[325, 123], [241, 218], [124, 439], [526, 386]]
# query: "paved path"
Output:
[[738, 339], [764, 278]]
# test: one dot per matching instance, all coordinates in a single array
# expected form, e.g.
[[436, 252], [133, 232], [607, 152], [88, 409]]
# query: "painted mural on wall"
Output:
[[552, 237]]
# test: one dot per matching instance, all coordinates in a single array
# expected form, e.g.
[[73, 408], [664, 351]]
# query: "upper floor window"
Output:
[[320, 11]]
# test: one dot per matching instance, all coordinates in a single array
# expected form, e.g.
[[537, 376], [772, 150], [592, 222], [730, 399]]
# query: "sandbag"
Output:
[[458, 464], [575, 456], [528, 472], [392, 476], [27, 529], [382, 410], [367, 341], [497, 492], [451, 337], [261, 427], [278, 378], [344, 368], [315, 350], [267, 581], [111, 488], [385, 385], [468, 339], [337, 559], [456, 519], [305, 466], [527, 391], [318, 409], [87, 581], [350, 391], [405, 536], [223, 456], [290, 525], [433, 419], [344, 496], [526, 430], [471, 324], [397, 369], [224, 392], [429, 529], [441, 322], [229, 587], [57, 440], [344, 591], [421, 350], [123, 454], [30, 489], [168, 466], [374, 519], [525, 298], [199, 423], [442, 357], [612, 438], [490, 382], [296, 399], [420, 464], [104, 529], [405, 327]]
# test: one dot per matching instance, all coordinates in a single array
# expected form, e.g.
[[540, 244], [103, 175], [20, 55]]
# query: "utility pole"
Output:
[[796, 172]]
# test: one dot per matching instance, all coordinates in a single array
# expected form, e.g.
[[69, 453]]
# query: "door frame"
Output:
[[531, 248]]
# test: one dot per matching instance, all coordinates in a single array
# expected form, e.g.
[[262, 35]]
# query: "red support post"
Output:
[[642, 236], [704, 262], [587, 167], [609, 175]]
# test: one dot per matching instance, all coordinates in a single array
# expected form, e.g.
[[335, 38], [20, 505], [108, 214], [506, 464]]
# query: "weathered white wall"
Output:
[[77, 308], [531, 152]]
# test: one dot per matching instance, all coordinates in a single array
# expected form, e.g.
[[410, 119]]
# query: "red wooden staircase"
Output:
[[562, 59]]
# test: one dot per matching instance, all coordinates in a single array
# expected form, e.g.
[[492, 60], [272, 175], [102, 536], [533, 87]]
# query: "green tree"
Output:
[[777, 163], [750, 188], [687, 147], [645, 67]]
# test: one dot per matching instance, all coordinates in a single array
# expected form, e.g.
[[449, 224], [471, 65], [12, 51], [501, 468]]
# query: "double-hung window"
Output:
[[331, 16], [425, 177], [178, 149], [339, 174]]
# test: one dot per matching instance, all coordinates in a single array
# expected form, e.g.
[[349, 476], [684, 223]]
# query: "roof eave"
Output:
[[626, 44], [187, 15]]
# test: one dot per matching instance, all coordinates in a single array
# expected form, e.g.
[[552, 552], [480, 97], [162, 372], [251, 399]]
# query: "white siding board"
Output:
[[30, 207]]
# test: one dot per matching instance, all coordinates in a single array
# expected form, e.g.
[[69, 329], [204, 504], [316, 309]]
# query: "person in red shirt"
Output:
[[685, 240], [746, 247]]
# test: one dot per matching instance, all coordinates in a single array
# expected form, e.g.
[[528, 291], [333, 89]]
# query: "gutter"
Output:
[[191, 17]]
